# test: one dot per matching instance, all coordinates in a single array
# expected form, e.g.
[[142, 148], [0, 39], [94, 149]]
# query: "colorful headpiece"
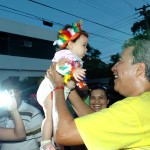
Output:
[[66, 35]]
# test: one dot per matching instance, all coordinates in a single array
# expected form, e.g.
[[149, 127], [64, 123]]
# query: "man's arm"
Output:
[[78, 105], [65, 130]]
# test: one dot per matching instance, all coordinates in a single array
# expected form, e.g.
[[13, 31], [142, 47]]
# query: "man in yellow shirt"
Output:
[[126, 123]]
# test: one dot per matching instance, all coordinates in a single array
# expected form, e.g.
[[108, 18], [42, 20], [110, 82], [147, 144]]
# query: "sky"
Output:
[[108, 22]]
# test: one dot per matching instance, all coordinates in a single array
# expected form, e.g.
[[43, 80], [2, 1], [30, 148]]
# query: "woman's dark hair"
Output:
[[99, 87]]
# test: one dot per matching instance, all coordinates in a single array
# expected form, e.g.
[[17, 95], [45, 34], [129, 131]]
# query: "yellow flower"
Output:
[[67, 78]]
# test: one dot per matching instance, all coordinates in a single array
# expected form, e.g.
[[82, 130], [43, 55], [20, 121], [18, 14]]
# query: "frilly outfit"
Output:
[[46, 87]]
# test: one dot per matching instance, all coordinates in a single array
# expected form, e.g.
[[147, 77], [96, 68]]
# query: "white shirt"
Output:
[[32, 119]]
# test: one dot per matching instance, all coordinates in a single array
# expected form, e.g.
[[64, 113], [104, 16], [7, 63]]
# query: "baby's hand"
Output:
[[49, 147], [79, 74]]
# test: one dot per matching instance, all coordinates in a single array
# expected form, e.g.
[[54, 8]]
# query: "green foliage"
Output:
[[145, 35], [114, 58], [141, 29], [95, 67], [92, 59]]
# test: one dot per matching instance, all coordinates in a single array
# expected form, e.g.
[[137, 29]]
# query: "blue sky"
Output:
[[107, 21]]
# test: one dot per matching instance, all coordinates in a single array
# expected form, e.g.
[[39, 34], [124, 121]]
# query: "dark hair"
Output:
[[9, 84], [140, 53], [99, 87]]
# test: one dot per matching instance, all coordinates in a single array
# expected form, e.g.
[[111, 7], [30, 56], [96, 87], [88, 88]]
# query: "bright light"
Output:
[[6, 99]]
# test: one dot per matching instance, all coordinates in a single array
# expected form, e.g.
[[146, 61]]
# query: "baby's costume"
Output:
[[46, 87], [73, 62], [65, 36]]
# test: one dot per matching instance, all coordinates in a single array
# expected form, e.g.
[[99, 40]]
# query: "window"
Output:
[[26, 43]]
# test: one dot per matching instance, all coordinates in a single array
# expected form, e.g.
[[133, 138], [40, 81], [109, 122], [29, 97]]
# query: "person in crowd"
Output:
[[31, 116], [99, 98], [33, 101], [125, 124], [18, 132], [72, 42], [84, 95]]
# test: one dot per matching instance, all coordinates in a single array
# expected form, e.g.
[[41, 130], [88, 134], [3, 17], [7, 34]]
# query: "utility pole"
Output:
[[146, 14]]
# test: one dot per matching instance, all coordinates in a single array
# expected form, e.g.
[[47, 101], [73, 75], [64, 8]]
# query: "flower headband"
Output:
[[69, 34]]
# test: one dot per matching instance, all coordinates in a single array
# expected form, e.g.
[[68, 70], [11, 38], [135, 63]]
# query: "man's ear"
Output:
[[141, 69]]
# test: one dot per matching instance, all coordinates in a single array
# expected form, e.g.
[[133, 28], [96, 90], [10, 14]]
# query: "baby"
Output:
[[72, 41]]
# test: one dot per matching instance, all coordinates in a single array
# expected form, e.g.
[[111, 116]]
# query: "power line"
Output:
[[105, 8], [118, 10], [97, 6], [104, 37], [144, 13], [145, 1], [18, 12], [132, 7], [25, 14], [79, 17], [22, 13], [119, 23]]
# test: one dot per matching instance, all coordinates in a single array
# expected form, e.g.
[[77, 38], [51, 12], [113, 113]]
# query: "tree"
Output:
[[113, 58], [92, 62], [141, 29]]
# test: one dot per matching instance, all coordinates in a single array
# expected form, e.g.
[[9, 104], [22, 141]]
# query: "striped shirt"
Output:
[[32, 119]]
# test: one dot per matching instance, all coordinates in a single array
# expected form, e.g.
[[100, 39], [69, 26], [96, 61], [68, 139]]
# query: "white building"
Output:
[[25, 50]]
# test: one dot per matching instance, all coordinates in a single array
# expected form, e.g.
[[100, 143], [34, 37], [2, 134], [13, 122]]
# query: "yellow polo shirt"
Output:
[[124, 125]]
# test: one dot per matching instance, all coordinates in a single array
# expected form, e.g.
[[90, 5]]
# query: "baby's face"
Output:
[[80, 46]]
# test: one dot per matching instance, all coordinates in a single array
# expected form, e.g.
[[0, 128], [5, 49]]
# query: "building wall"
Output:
[[25, 50], [18, 28], [18, 45], [13, 66]]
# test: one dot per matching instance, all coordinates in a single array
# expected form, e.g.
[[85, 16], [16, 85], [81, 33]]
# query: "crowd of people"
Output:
[[78, 116], [26, 115]]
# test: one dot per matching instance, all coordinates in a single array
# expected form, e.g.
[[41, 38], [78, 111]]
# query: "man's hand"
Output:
[[71, 84], [62, 62], [55, 78]]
